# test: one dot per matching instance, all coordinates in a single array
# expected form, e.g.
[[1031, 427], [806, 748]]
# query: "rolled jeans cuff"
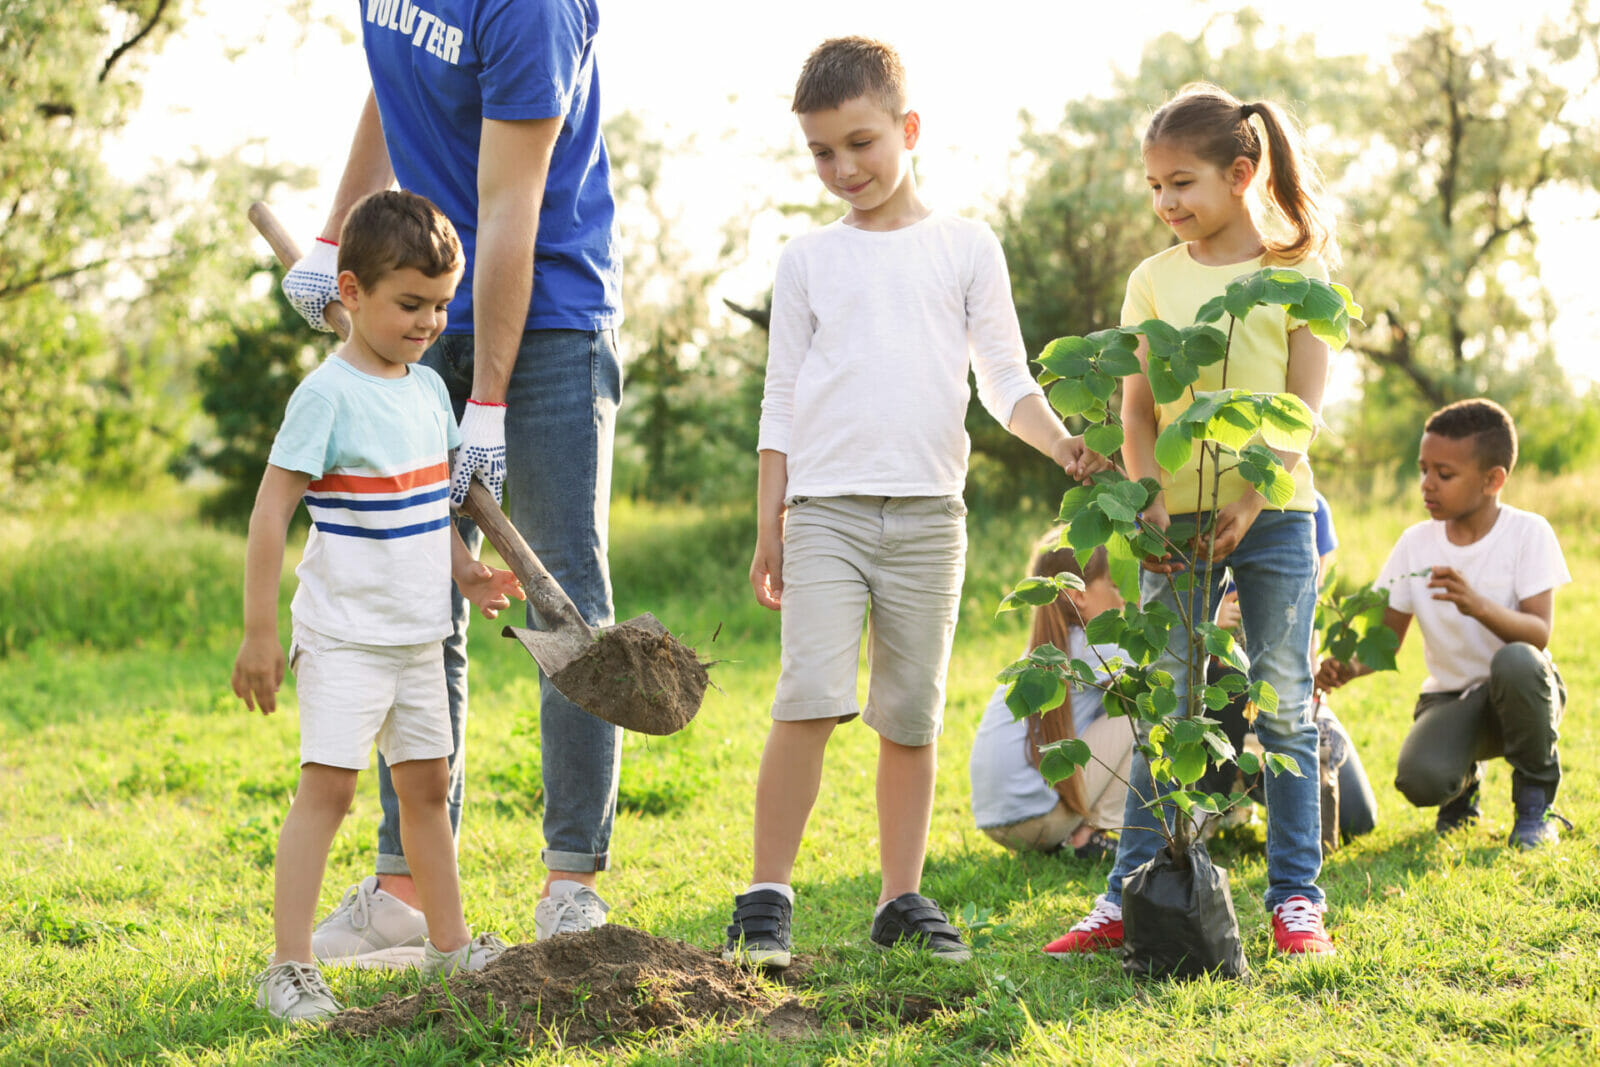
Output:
[[571, 862], [391, 864]]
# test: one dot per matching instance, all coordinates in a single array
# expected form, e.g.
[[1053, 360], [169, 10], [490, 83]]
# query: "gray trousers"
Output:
[[1516, 714]]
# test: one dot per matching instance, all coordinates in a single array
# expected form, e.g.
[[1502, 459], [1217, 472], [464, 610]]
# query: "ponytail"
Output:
[[1216, 126], [1053, 625]]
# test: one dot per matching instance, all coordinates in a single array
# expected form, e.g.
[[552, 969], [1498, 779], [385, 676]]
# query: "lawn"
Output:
[[139, 805]]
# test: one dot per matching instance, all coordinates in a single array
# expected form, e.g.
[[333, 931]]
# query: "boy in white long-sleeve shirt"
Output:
[[876, 319]]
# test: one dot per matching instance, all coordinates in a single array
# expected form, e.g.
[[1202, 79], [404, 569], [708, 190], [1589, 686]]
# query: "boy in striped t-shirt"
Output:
[[365, 442]]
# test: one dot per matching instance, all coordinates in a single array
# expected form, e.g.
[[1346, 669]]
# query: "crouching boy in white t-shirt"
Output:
[[1480, 578]]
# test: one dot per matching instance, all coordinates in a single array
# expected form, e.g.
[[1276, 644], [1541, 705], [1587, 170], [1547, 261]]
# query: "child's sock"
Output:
[[776, 887], [564, 887]]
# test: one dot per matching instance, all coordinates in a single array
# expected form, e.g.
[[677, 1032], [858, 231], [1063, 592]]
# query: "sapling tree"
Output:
[[1233, 430]]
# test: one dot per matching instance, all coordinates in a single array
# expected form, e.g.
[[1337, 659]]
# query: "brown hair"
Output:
[[1215, 125], [396, 230], [1494, 435], [843, 68], [1053, 624]]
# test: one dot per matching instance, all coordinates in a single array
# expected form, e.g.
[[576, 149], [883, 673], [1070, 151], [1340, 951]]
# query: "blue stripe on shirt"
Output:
[[383, 535]]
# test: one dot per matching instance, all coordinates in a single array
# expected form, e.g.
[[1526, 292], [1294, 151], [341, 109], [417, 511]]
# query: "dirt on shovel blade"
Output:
[[597, 986], [636, 677]]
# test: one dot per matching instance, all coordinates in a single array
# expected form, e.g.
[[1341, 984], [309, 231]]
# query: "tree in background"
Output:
[[1464, 139], [110, 289]]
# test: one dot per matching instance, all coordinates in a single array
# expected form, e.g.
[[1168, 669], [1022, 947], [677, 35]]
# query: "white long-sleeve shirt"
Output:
[[872, 334]]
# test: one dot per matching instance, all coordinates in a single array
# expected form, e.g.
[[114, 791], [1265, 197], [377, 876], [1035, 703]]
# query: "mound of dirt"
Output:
[[637, 676], [587, 988]]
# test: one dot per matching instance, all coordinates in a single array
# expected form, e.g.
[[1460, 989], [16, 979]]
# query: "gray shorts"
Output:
[[898, 562]]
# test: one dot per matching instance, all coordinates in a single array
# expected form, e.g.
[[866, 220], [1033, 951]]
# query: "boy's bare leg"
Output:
[[905, 808], [319, 806], [786, 790], [421, 786]]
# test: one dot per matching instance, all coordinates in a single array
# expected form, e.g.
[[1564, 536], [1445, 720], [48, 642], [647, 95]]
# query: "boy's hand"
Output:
[[313, 283], [1076, 460], [1455, 589], [1155, 515], [1228, 616], [766, 572], [489, 587], [258, 672], [1233, 521], [1332, 673]]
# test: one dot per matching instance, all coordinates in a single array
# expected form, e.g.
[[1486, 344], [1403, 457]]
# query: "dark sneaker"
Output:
[[759, 933], [1461, 810], [1536, 822], [912, 918], [1099, 846]]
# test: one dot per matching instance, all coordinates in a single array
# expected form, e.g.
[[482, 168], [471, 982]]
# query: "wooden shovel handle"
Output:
[[544, 592], [288, 253]]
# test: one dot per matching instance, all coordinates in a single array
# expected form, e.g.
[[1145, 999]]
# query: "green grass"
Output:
[[139, 804]]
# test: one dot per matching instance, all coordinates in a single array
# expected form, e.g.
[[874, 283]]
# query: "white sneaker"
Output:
[[295, 993], [371, 928], [569, 913], [475, 955]]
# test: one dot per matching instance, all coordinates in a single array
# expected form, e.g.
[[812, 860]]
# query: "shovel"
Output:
[[635, 674]]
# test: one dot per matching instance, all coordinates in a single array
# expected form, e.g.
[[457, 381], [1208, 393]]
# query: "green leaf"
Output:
[[1119, 362], [1088, 531], [1164, 385], [1188, 762], [1204, 345], [1278, 763], [1103, 439], [1249, 763], [1105, 628], [1035, 692], [1214, 697], [1287, 423], [1062, 759], [1174, 447], [1211, 310], [1030, 592], [1068, 357], [1377, 648], [1264, 697], [1101, 385], [1219, 642], [1164, 701], [1069, 396], [1075, 500]]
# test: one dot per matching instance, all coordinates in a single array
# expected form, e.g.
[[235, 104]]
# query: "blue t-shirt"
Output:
[[440, 69]]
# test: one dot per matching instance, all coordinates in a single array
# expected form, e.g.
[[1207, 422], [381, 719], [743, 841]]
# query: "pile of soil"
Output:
[[637, 676], [588, 988]]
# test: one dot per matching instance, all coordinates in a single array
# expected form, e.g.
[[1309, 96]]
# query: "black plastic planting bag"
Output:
[[1178, 920]]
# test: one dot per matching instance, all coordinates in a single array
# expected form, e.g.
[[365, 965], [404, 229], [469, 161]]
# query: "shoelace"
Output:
[[1299, 916], [359, 903], [299, 979], [577, 912], [1102, 914]]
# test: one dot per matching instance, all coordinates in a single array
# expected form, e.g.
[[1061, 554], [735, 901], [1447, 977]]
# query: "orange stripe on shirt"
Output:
[[395, 483]]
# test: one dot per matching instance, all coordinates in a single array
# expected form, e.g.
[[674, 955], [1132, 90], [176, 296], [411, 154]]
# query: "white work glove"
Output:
[[313, 283], [482, 451]]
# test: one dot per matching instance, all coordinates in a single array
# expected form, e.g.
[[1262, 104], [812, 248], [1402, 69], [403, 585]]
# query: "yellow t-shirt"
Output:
[[1171, 286]]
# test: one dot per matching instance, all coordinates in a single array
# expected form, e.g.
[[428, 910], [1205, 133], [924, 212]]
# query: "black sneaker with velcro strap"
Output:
[[759, 933], [913, 919]]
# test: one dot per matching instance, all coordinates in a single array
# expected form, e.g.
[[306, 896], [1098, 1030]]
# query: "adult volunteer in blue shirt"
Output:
[[491, 109]]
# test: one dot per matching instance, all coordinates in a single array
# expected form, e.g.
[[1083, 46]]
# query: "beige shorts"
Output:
[[352, 695], [898, 563]]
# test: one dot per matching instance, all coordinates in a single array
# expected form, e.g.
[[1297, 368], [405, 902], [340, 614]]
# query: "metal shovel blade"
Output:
[[555, 650]]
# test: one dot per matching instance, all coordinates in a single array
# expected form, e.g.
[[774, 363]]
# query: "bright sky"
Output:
[[721, 72]]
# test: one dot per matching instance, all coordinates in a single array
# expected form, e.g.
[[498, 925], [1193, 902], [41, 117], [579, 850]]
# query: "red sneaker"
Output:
[[1297, 928], [1100, 929]]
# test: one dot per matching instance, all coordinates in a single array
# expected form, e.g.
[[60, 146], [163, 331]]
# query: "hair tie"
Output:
[[1245, 111]]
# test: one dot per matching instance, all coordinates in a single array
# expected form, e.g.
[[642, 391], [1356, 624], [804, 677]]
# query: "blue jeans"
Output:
[[560, 420], [1275, 569]]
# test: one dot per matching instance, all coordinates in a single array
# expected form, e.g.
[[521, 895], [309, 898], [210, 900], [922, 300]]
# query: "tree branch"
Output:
[[132, 42]]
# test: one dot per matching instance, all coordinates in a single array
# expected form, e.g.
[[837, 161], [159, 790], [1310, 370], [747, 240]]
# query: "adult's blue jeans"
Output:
[[560, 422], [1275, 569]]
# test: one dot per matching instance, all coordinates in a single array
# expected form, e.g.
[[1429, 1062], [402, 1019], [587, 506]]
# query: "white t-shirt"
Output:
[[1518, 558], [376, 569], [1006, 788], [872, 334]]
